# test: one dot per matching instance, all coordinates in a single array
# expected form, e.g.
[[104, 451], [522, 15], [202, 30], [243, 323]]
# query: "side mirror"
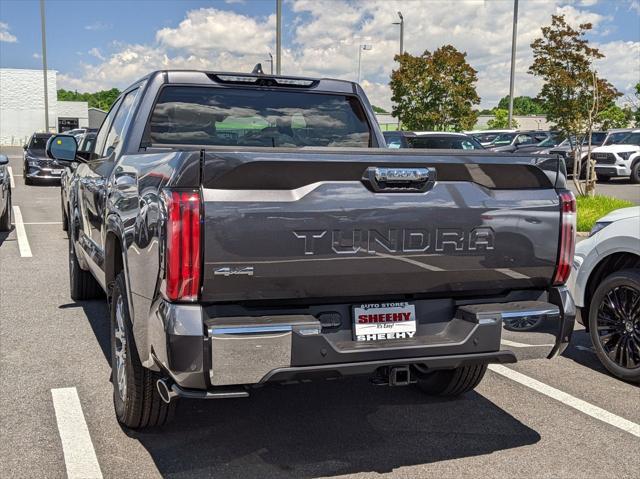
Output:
[[4, 160], [62, 147], [24, 147]]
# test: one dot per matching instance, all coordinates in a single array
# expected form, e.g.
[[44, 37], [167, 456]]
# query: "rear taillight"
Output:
[[182, 249], [567, 237]]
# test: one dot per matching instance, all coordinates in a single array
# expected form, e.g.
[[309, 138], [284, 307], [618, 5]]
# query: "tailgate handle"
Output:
[[399, 179]]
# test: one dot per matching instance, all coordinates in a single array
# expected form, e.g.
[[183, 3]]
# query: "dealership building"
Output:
[[22, 106]]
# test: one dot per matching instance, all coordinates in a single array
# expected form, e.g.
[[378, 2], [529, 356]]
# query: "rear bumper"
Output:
[[199, 352]]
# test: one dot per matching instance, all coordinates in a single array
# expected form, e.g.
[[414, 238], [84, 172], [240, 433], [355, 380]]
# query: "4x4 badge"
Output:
[[231, 270]]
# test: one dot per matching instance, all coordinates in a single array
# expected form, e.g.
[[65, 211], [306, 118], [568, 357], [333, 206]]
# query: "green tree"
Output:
[[634, 101], [614, 117], [435, 91], [377, 109], [500, 120], [522, 105], [102, 99], [572, 93]]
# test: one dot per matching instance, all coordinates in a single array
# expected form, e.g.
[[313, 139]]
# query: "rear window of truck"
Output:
[[262, 118]]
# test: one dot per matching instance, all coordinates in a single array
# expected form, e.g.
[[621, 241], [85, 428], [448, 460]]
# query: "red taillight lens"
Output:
[[567, 237], [183, 245]]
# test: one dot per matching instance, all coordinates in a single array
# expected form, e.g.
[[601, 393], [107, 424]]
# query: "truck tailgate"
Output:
[[289, 224]]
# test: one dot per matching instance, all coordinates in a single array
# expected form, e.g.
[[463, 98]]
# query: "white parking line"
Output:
[[23, 242], [568, 399], [11, 180], [79, 456]]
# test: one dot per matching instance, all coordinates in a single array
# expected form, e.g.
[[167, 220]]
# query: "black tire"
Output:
[[603, 178], [5, 219], [635, 173], [135, 396], [82, 284], [27, 181], [452, 382], [615, 332]]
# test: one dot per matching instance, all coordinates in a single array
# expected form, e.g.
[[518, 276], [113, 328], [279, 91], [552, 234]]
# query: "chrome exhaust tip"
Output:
[[166, 393]]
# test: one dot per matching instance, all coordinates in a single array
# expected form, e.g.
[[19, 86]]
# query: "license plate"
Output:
[[383, 321], [56, 172]]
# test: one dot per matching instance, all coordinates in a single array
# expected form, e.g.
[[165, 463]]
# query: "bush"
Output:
[[592, 208]]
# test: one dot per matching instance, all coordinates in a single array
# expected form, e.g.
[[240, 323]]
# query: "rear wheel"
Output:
[[5, 219], [635, 173], [452, 382], [82, 284], [135, 395], [614, 323]]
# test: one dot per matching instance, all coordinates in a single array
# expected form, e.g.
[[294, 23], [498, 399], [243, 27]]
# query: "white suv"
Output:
[[618, 158]]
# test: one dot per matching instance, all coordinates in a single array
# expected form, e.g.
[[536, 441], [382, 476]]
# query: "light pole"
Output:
[[360, 48], [278, 36], [401, 23], [44, 67], [271, 62], [513, 60]]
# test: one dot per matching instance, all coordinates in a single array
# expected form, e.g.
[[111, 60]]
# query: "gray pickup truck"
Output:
[[249, 229]]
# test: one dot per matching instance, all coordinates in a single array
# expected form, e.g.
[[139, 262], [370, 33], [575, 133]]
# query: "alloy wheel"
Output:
[[618, 324], [120, 350]]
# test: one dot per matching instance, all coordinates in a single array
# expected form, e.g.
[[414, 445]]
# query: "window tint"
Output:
[[104, 129], [38, 142], [615, 138], [444, 143], [113, 143], [503, 139], [631, 139], [248, 117]]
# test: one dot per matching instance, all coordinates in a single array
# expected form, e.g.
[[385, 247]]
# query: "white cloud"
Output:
[[95, 52], [211, 30], [98, 26], [37, 56], [327, 34], [5, 35]]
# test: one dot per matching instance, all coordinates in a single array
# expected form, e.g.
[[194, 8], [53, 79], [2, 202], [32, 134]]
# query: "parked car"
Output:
[[232, 255], [566, 148], [606, 286], [618, 157], [436, 140], [37, 166], [5, 194], [485, 137], [510, 142]]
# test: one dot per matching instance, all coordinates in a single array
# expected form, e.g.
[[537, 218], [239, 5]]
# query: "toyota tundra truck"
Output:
[[250, 229]]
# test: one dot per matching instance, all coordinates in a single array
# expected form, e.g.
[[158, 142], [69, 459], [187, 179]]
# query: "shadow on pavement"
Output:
[[327, 429], [4, 235], [581, 351], [97, 314]]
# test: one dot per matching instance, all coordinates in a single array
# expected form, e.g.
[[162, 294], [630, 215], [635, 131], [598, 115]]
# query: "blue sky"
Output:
[[98, 44]]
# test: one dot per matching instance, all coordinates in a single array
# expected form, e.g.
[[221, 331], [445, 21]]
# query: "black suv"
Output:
[[37, 166]]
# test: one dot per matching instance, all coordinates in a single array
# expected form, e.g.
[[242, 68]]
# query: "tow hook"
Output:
[[165, 391]]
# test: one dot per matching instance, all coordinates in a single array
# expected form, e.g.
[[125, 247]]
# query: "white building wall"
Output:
[[74, 109], [22, 104]]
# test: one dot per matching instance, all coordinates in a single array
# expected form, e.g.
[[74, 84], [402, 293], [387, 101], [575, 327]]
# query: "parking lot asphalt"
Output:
[[345, 428]]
